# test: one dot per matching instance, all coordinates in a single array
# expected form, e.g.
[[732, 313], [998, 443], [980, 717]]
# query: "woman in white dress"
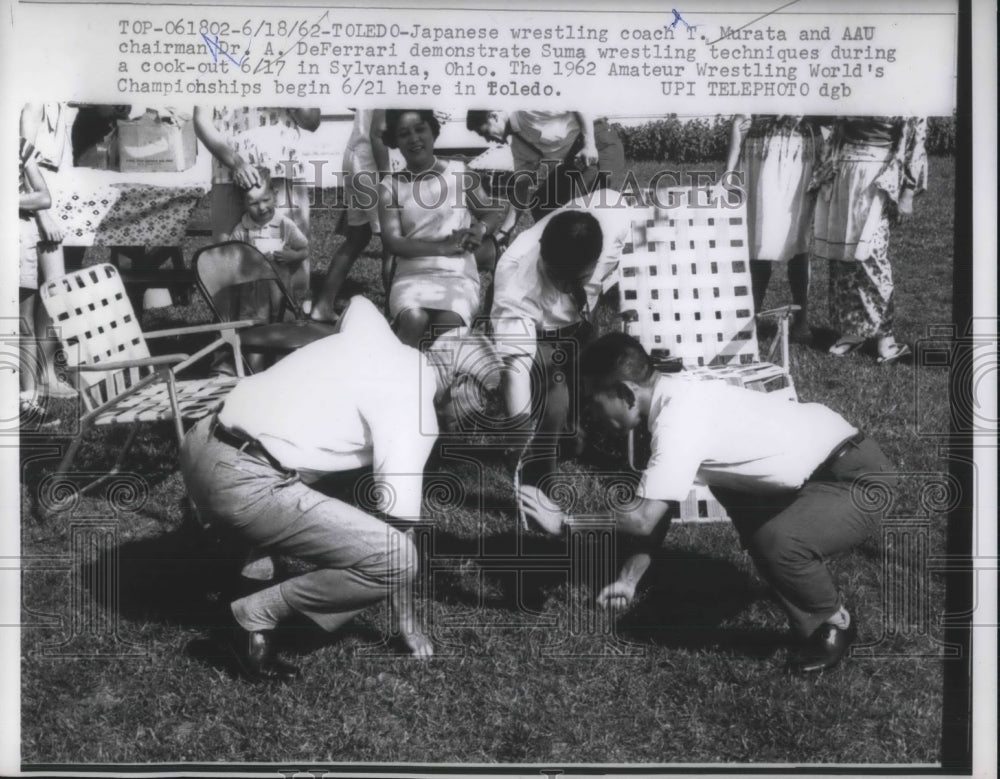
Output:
[[426, 213]]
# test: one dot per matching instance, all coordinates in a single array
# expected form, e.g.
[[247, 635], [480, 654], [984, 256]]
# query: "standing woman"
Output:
[[426, 213], [776, 155], [874, 167]]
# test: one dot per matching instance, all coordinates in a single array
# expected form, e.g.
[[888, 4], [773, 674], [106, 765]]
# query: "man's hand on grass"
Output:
[[616, 596], [538, 507]]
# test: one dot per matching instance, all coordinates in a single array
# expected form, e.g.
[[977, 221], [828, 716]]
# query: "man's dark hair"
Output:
[[476, 119], [615, 358], [571, 241], [394, 115]]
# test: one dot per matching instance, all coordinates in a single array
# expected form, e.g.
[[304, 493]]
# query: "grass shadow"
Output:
[[686, 598], [184, 577]]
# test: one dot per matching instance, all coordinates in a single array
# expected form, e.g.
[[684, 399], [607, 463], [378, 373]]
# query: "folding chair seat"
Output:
[[239, 283], [109, 361], [685, 294]]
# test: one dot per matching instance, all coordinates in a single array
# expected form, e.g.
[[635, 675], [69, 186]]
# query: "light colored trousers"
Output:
[[361, 560]]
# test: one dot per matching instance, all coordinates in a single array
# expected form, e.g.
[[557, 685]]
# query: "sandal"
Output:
[[846, 346], [33, 415], [896, 352]]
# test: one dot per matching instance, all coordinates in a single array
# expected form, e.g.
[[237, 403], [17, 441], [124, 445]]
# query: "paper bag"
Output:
[[157, 142]]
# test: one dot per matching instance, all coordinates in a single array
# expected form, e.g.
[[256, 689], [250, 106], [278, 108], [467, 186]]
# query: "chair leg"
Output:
[[174, 404], [115, 469]]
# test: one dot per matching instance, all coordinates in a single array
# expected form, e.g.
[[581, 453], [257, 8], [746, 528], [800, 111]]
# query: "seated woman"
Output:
[[426, 215]]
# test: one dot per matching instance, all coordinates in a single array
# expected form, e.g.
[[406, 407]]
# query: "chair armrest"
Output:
[[214, 327], [141, 362], [779, 313]]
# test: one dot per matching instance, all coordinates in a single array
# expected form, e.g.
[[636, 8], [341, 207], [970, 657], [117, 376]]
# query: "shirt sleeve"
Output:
[[401, 444], [676, 453], [618, 231], [513, 321], [239, 233]]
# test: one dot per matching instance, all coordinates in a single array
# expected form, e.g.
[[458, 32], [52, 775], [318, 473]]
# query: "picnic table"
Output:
[[141, 216]]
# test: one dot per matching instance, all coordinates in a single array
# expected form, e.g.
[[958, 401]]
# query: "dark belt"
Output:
[[577, 330], [245, 444], [849, 445]]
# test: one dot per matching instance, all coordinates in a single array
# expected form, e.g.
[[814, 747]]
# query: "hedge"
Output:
[[698, 140]]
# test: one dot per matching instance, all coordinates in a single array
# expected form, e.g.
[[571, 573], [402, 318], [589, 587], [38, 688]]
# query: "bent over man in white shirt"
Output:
[[545, 287], [354, 399], [785, 472]]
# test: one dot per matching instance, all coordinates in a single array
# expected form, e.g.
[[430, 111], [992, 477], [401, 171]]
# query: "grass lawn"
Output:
[[120, 598]]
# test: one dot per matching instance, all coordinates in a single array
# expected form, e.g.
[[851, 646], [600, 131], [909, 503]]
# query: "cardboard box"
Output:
[[157, 142]]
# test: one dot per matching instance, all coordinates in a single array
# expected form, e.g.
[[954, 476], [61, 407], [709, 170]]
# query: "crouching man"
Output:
[[785, 472], [354, 399], [546, 287]]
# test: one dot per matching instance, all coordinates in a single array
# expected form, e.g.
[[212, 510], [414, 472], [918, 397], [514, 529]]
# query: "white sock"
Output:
[[263, 610], [841, 618]]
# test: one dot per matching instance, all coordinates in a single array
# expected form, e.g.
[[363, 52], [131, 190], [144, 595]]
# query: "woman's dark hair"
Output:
[[393, 117]]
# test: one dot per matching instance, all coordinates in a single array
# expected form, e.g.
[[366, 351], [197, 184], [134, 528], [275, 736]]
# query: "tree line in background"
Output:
[[697, 140]]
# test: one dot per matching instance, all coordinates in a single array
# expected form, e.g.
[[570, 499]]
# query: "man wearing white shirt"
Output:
[[354, 399], [785, 472], [545, 286]]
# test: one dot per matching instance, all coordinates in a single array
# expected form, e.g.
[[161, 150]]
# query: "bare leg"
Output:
[[355, 241], [52, 265], [388, 268], [27, 377]]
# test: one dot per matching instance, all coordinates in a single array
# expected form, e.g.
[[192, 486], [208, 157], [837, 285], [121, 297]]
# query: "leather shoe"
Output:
[[824, 648], [255, 656]]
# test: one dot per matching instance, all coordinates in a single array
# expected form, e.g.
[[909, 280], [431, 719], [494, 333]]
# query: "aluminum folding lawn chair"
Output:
[[109, 362], [685, 294]]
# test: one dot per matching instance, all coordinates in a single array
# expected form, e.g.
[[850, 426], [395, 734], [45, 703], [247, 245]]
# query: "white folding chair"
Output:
[[685, 295], [110, 364]]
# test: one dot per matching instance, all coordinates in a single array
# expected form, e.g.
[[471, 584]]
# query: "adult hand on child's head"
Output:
[[538, 507], [616, 596], [246, 175]]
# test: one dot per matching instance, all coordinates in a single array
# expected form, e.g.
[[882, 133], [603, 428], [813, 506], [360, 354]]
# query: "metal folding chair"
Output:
[[686, 295], [110, 364], [238, 283]]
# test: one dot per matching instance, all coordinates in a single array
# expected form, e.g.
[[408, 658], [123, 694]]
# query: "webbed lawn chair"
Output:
[[685, 293], [109, 361]]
